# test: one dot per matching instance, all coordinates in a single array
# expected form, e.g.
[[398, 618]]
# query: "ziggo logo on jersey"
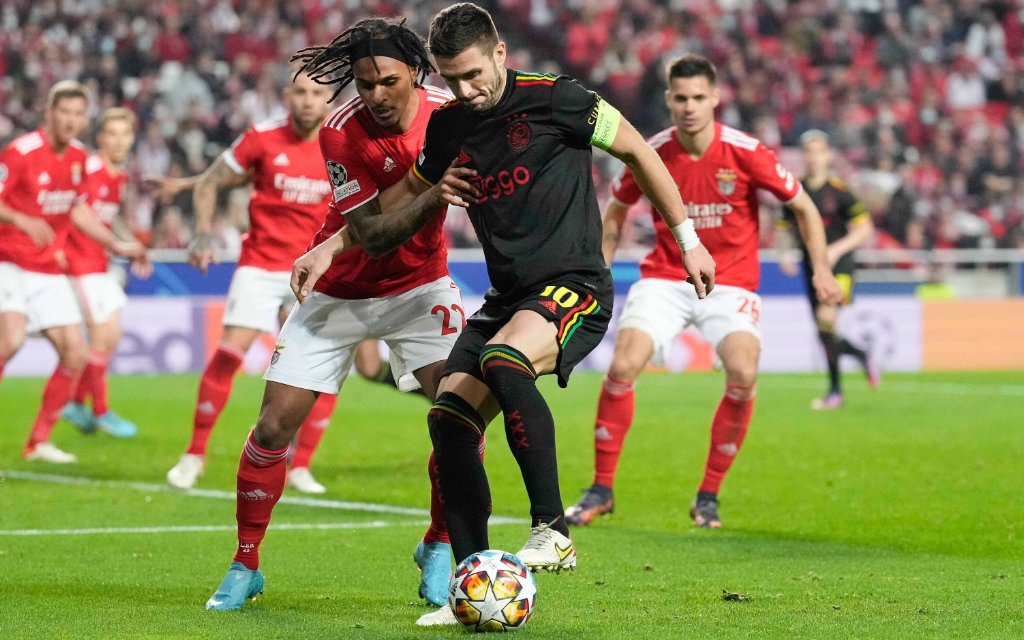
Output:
[[502, 184]]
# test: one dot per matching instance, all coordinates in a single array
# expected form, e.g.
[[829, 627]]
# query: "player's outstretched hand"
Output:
[[308, 269], [455, 187], [698, 261], [200, 252], [37, 229], [142, 266], [827, 288], [128, 249], [164, 187]]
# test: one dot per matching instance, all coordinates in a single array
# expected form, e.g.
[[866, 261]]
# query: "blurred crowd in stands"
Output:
[[924, 100]]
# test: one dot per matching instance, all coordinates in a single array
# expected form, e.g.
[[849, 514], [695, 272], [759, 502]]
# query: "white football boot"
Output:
[[548, 550], [303, 481], [48, 452], [443, 616], [184, 474]]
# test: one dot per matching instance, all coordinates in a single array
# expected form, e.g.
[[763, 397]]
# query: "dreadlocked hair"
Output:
[[331, 64]]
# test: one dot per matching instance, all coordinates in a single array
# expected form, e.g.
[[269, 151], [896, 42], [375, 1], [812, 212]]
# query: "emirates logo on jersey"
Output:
[[726, 179], [518, 133]]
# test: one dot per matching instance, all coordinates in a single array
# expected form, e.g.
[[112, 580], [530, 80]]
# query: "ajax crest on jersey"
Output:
[[492, 591]]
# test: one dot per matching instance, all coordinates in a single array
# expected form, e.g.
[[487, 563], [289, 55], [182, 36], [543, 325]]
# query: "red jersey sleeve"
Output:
[[351, 181], [766, 172], [245, 154], [11, 163], [625, 189]]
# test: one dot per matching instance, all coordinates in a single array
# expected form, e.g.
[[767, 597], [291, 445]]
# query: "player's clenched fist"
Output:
[[827, 288]]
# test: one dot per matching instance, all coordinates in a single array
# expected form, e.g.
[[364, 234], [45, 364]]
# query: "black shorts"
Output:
[[580, 318], [845, 278]]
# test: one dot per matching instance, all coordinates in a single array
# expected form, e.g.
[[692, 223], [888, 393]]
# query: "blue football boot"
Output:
[[80, 416], [116, 426], [434, 561], [239, 585]]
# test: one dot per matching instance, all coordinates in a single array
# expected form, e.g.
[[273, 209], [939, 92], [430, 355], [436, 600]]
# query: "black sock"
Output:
[[829, 341], [456, 429], [529, 428], [848, 349]]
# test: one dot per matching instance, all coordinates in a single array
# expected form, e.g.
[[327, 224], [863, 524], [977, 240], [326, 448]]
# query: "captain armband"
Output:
[[605, 119]]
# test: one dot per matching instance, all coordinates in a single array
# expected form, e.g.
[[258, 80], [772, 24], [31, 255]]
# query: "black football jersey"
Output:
[[838, 208]]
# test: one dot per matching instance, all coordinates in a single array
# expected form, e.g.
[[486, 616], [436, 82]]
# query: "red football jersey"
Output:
[[290, 193], [103, 191], [363, 160], [720, 194], [37, 182]]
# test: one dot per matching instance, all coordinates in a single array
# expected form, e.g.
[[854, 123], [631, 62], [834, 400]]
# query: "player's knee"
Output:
[[453, 423], [272, 432], [625, 368], [742, 376], [74, 355]]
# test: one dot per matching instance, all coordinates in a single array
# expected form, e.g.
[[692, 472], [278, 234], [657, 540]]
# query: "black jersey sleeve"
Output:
[[440, 147], [582, 115], [853, 209]]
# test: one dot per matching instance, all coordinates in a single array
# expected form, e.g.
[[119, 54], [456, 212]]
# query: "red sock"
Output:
[[261, 476], [214, 389], [727, 432], [312, 430], [94, 382], [56, 394], [438, 530], [614, 417]]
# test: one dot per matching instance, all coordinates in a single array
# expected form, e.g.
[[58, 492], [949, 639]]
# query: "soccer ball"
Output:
[[492, 591]]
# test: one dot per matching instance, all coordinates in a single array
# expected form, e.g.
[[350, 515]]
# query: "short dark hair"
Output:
[[459, 27], [332, 63], [690, 65]]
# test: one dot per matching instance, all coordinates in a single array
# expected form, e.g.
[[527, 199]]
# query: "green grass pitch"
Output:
[[900, 516]]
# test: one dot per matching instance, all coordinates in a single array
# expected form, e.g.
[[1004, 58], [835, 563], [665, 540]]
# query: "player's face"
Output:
[[116, 139], [386, 87], [475, 76], [67, 119], [817, 156], [306, 102], [691, 102]]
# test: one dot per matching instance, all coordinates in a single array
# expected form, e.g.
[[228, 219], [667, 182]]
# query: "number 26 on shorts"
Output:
[[750, 306]]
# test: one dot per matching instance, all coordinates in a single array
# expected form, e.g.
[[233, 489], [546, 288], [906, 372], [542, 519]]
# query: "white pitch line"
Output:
[[317, 503], [376, 524], [943, 388]]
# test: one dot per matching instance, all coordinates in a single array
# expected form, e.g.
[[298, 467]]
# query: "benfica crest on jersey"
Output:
[[726, 181], [76, 173]]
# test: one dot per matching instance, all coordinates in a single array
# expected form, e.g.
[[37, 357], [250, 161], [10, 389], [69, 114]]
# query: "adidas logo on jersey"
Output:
[[281, 160], [389, 164], [44, 178]]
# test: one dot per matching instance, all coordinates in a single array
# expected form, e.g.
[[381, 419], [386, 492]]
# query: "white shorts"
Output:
[[663, 308], [47, 300], [100, 295], [317, 343], [255, 297]]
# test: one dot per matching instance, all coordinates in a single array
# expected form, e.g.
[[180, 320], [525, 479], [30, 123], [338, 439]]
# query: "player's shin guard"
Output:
[[438, 530], [456, 430], [57, 393], [214, 389], [529, 427], [261, 478], [727, 432], [312, 430], [614, 417], [94, 382]]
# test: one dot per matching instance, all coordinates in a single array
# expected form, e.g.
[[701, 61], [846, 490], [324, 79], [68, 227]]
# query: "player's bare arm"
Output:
[[83, 217], [379, 231], [786, 249], [812, 230], [37, 229], [204, 202], [657, 184], [386, 222], [611, 234]]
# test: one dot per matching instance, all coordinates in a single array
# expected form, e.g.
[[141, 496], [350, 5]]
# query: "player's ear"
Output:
[[716, 95], [499, 53]]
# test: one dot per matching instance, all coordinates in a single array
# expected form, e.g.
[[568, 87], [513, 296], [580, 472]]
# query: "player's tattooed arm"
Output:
[[614, 218], [410, 203], [219, 176]]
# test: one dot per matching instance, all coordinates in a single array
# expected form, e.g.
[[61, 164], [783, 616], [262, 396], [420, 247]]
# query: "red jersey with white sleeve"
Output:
[[103, 191], [38, 182], [719, 192], [289, 193], [362, 160]]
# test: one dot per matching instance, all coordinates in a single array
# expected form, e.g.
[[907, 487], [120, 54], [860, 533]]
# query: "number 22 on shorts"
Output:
[[446, 318]]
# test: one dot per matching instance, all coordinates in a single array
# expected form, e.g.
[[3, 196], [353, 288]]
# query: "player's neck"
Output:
[[113, 168], [696, 144], [55, 144], [816, 180], [303, 134]]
